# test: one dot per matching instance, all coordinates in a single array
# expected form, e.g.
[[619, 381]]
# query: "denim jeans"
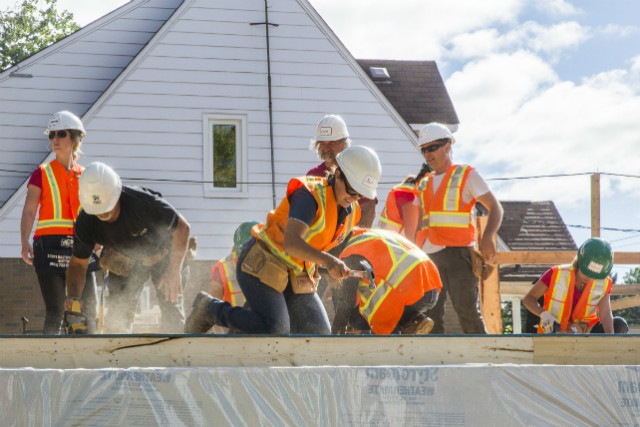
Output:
[[270, 312], [459, 282]]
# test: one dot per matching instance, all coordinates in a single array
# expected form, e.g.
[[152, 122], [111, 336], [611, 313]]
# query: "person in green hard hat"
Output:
[[576, 295]]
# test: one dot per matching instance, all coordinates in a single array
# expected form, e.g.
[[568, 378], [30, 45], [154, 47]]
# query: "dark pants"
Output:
[[53, 288], [124, 294], [271, 312], [619, 326], [459, 282]]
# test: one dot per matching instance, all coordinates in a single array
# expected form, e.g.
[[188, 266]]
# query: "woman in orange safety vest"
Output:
[[576, 296], [406, 285], [398, 214], [278, 268], [53, 187]]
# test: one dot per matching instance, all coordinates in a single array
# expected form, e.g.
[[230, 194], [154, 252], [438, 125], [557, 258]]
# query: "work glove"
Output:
[[548, 322]]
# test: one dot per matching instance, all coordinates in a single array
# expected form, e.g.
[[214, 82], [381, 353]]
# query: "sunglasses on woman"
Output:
[[350, 191], [60, 133]]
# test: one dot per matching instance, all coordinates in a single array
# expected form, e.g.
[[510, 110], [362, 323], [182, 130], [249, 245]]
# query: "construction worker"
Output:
[[143, 237], [576, 296], [398, 213], [331, 138], [53, 187], [406, 284], [278, 267], [446, 230]]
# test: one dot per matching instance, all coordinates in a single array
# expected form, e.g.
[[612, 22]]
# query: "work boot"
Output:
[[198, 321], [419, 325]]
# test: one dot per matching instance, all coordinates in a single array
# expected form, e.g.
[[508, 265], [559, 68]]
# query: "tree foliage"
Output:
[[30, 26]]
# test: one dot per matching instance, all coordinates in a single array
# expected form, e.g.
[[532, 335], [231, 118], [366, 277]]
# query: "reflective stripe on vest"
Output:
[[559, 298], [232, 292], [57, 219], [403, 259]]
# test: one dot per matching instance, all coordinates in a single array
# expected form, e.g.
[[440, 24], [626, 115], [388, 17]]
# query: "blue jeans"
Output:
[[271, 312]]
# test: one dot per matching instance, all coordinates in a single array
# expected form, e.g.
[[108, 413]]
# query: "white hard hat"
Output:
[[99, 189], [362, 169], [63, 120], [433, 132], [331, 128]]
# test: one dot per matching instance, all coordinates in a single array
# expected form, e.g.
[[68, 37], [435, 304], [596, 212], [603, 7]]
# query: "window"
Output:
[[225, 166]]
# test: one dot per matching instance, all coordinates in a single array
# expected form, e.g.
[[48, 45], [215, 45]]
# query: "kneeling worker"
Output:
[[576, 296], [407, 284], [143, 237]]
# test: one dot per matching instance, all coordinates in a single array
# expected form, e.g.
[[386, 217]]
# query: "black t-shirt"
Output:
[[144, 226]]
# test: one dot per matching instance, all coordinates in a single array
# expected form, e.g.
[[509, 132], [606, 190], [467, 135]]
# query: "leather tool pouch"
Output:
[[262, 264], [481, 270], [116, 262], [303, 284]]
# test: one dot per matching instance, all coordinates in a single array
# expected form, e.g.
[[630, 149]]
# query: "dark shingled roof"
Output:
[[532, 226], [415, 89]]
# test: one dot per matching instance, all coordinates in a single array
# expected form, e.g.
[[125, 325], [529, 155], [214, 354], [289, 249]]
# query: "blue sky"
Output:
[[541, 87]]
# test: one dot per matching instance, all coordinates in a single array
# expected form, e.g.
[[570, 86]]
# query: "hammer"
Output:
[[366, 274]]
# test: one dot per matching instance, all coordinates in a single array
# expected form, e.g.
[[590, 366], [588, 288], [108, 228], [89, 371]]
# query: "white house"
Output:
[[154, 79]]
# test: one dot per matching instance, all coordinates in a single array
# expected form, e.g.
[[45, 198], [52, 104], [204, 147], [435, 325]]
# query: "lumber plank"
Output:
[[566, 349], [557, 257]]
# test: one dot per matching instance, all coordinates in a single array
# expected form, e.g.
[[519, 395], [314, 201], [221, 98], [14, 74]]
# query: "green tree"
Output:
[[29, 27]]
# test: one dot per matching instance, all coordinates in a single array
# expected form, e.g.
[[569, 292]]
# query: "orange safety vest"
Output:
[[226, 269], [444, 217], [558, 300], [321, 234], [59, 201], [391, 217], [403, 274]]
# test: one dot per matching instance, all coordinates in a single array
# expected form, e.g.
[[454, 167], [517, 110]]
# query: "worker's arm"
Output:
[[605, 314], [487, 245], [216, 289], [410, 219], [531, 299], [26, 222], [367, 214], [295, 246], [171, 280], [76, 277]]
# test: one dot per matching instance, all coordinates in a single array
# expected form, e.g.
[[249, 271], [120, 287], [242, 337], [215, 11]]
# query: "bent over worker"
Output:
[[143, 237], [278, 267], [406, 284], [447, 232], [576, 296]]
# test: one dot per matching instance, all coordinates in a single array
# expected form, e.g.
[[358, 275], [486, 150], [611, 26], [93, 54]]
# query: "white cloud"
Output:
[[556, 7]]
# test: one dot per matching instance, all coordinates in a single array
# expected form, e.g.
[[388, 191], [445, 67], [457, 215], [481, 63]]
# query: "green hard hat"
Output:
[[242, 233], [595, 258]]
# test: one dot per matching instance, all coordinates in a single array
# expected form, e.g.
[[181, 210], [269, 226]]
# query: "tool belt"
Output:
[[480, 269], [121, 264], [303, 284]]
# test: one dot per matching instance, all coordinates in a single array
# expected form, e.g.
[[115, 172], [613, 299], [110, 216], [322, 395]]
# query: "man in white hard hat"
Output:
[[331, 138], [446, 228], [143, 237], [278, 266]]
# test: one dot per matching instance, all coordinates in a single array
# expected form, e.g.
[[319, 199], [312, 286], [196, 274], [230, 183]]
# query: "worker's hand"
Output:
[[487, 247], [27, 253], [337, 268], [171, 282], [547, 322]]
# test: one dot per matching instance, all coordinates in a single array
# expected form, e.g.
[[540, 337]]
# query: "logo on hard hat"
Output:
[[96, 199], [325, 131], [369, 182], [54, 121], [595, 267]]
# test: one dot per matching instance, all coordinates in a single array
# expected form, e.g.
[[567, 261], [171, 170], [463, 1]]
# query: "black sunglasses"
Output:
[[60, 133], [433, 147]]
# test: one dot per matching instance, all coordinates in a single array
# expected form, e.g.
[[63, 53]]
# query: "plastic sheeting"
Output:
[[442, 395]]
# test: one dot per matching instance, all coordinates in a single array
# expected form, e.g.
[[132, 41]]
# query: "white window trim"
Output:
[[240, 121]]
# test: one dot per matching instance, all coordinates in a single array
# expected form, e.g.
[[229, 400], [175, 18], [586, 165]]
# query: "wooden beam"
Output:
[[619, 304], [489, 290], [126, 351], [511, 288], [558, 257]]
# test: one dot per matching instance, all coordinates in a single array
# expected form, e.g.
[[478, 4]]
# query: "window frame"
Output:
[[209, 120]]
